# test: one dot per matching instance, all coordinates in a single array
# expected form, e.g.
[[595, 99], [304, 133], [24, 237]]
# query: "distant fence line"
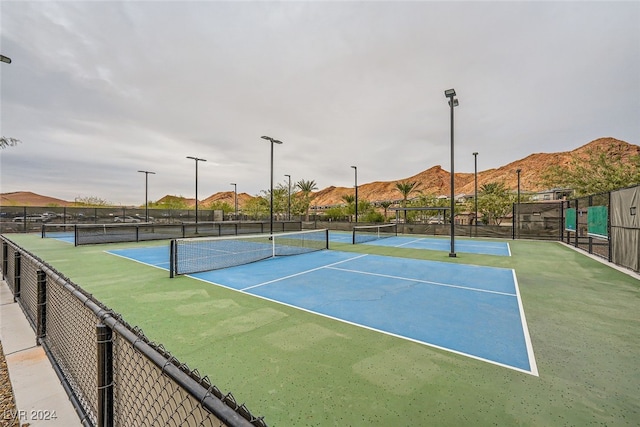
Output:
[[88, 234], [535, 220], [113, 374]]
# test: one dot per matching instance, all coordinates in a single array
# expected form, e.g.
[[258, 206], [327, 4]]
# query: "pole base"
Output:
[[452, 255]]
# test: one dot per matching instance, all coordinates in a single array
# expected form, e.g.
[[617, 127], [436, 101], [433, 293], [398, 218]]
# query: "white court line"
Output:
[[525, 330], [409, 242], [302, 272], [140, 262], [448, 285]]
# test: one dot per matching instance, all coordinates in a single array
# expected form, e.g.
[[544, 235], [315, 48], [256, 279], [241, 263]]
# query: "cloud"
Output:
[[100, 90]]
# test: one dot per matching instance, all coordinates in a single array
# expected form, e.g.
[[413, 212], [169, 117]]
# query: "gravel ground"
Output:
[[7, 400]]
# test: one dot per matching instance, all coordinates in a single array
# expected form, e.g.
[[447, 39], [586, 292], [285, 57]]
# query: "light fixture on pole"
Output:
[[273, 141], [453, 102], [289, 196], [146, 193], [235, 199], [475, 196], [197, 160], [5, 59], [355, 168]]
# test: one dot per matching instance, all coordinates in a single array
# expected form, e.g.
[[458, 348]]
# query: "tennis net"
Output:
[[368, 233], [212, 253]]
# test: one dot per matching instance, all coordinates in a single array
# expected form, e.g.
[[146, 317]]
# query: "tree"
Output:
[[8, 142], [350, 199], [495, 201], [385, 205], [171, 202], [405, 187], [280, 198], [599, 172], [256, 207], [90, 201], [219, 205], [306, 187], [335, 213], [432, 201]]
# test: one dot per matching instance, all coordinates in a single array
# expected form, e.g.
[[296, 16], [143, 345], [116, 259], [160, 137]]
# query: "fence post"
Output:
[[16, 276], [41, 319], [105, 375], [609, 240], [5, 259], [575, 239], [513, 222]]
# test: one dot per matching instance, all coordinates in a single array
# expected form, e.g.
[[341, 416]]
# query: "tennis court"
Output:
[[471, 310], [296, 366], [439, 244]]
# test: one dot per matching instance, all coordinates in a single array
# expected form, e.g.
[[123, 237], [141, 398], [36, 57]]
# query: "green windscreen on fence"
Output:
[[597, 220], [570, 219]]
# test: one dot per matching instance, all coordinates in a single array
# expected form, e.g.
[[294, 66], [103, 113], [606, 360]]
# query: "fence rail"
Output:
[[113, 373], [89, 234]]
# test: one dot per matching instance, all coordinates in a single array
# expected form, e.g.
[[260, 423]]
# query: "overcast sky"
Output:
[[99, 90]]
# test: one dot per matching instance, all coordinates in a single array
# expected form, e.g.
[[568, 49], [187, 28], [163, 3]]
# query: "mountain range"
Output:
[[434, 180]]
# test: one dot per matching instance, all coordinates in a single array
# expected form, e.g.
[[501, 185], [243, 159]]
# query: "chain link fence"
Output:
[[113, 373], [616, 235]]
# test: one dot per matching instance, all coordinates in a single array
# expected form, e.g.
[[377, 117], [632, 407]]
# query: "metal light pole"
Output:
[[355, 168], [146, 193], [235, 198], [453, 102], [273, 141], [197, 160], [517, 218], [289, 195], [475, 197]]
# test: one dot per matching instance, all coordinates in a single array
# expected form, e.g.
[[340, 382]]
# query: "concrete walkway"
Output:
[[40, 397]]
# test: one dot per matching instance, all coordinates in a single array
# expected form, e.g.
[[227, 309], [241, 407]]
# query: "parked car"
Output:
[[126, 219], [31, 218]]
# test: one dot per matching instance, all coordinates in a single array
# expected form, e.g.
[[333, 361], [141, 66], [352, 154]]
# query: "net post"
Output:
[[172, 258], [326, 236], [75, 234], [353, 236]]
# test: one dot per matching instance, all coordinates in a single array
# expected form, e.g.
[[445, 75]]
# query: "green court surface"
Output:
[[296, 368]]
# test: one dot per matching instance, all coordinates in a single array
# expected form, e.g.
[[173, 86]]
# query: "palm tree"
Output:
[[406, 187], [385, 205], [306, 187], [8, 142]]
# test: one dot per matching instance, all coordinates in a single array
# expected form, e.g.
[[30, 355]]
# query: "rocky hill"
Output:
[[27, 198], [434, 180]]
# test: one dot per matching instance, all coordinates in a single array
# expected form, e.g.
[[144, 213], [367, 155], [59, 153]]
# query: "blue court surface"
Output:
[[439, 244], [475, 311]]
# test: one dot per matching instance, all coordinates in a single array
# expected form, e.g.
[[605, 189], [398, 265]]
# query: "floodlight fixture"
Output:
[[453, 102], [268, 138]]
